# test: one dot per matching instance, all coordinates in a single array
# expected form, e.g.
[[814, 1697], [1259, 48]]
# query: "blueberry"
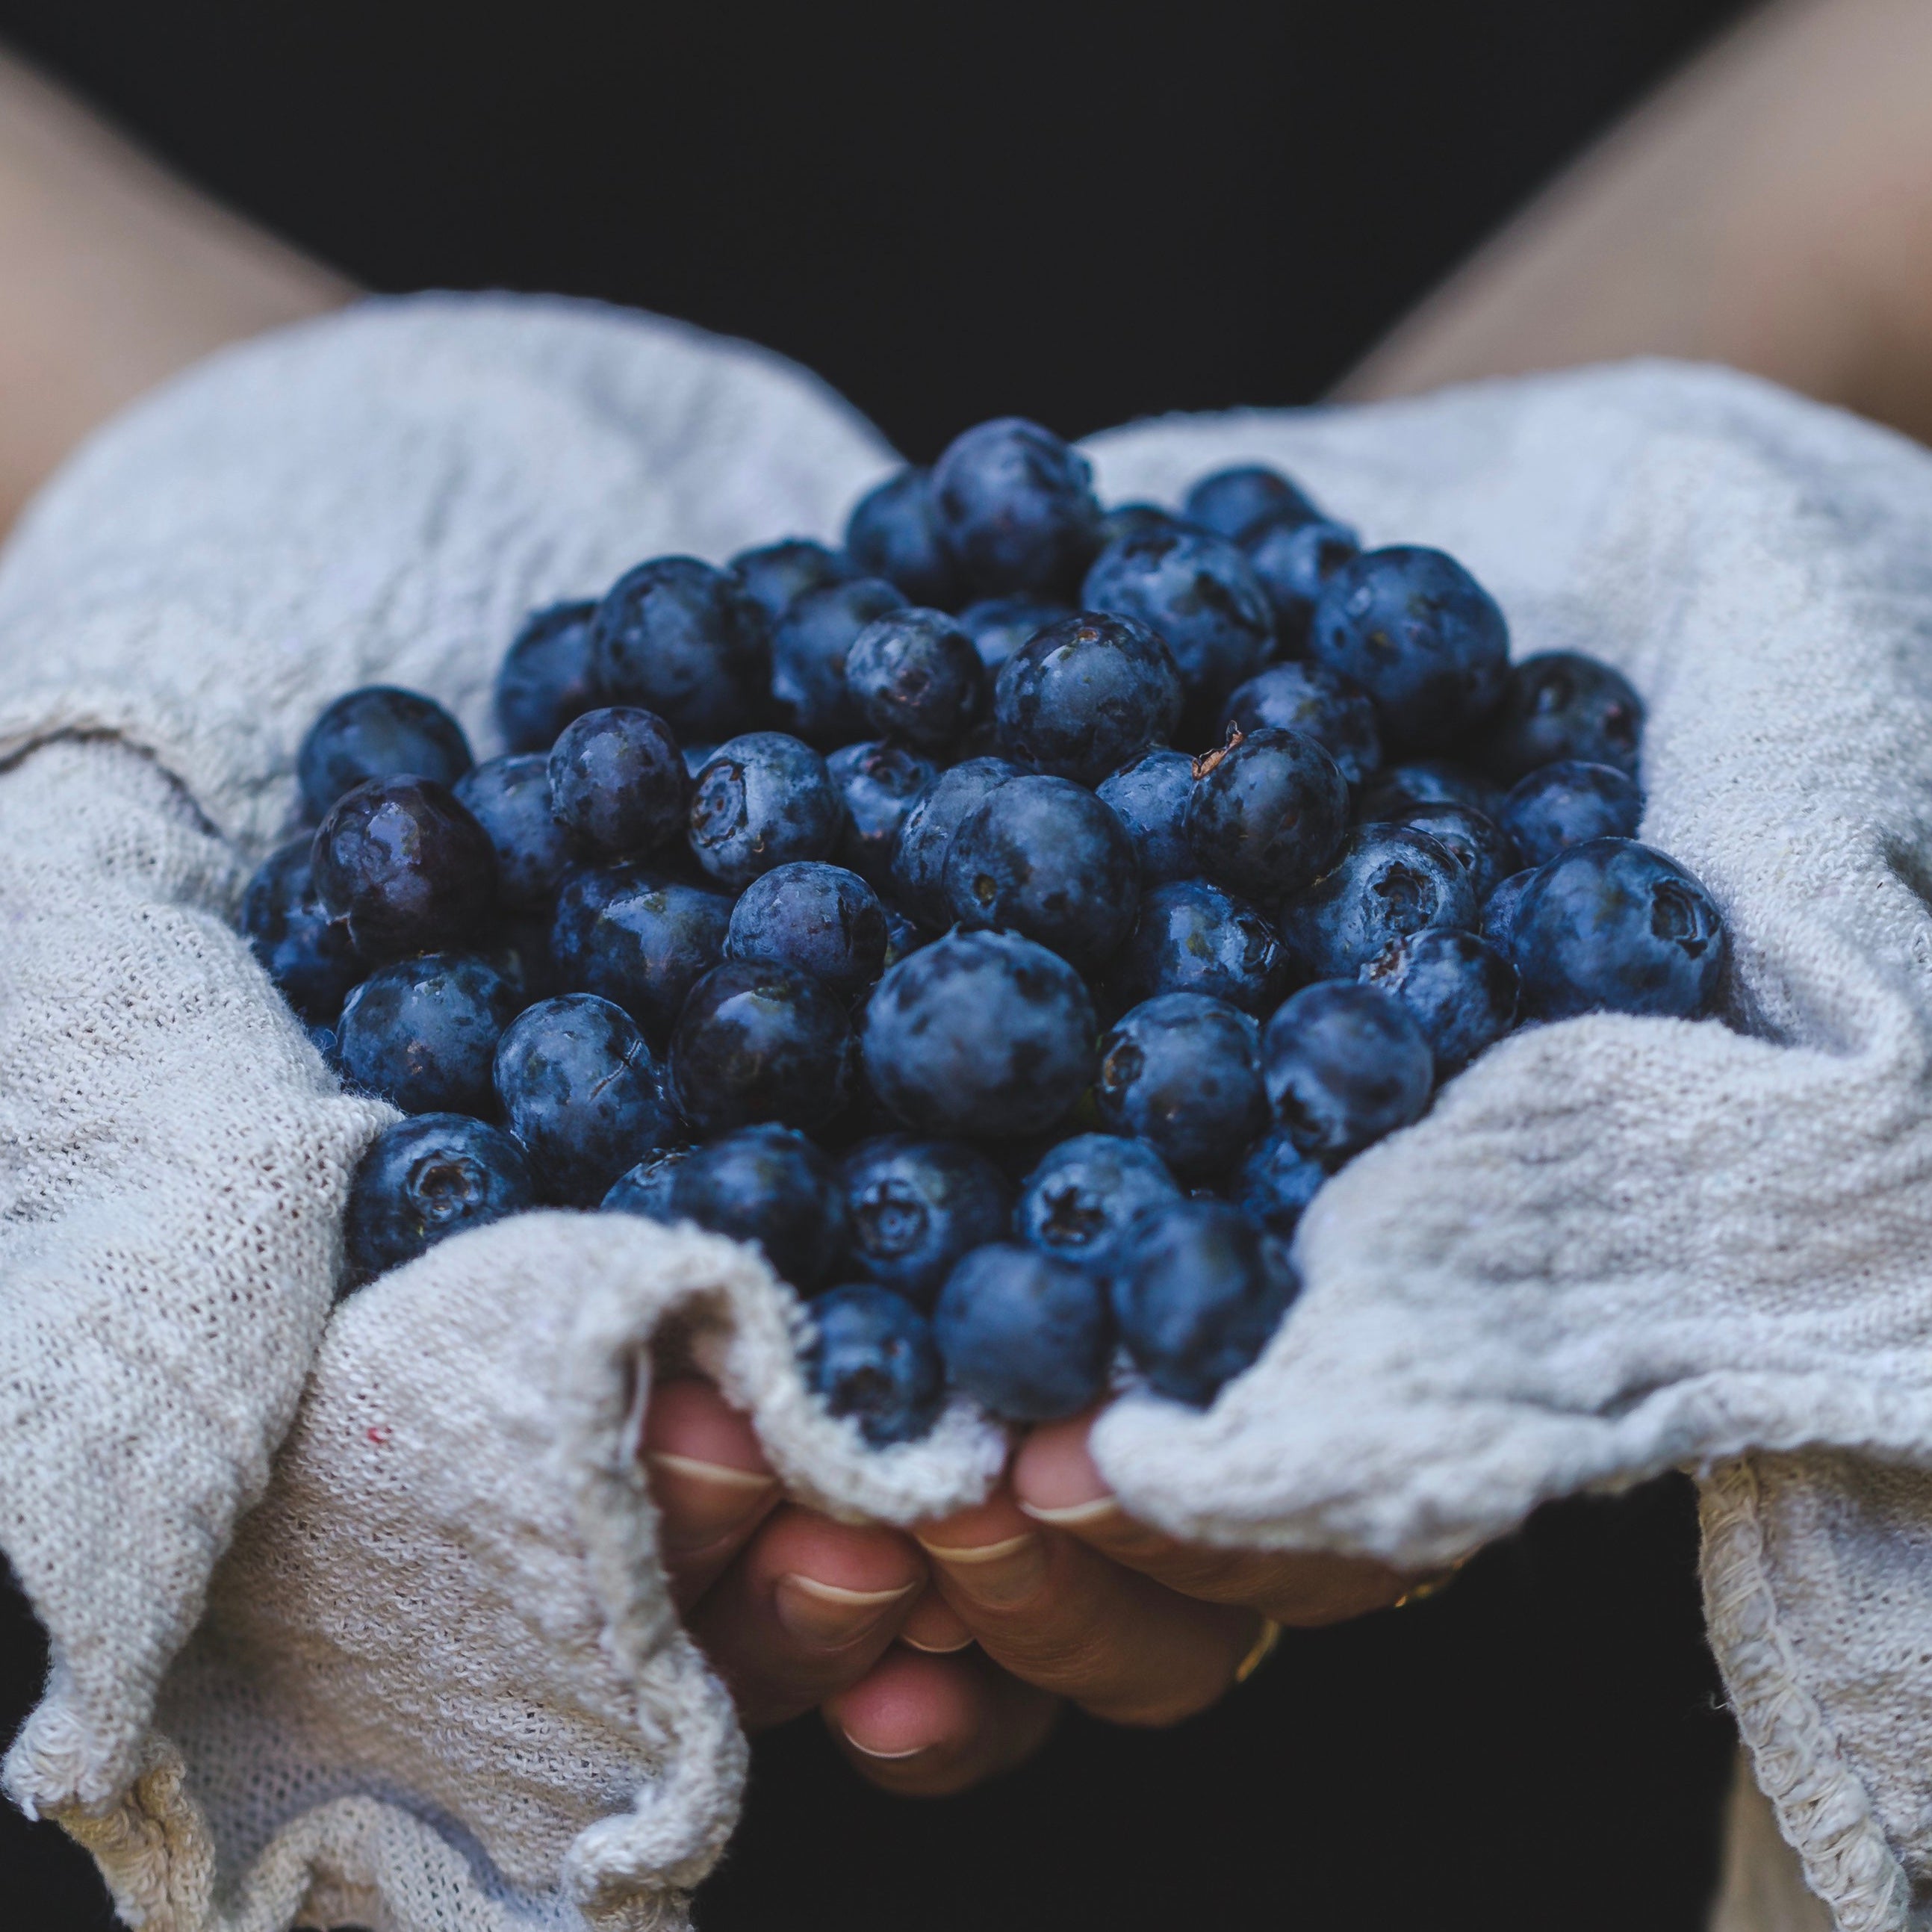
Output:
[[1190, 936], [808, 652], [1561, 705], [580, 1091], [1499, 910], [821, 919], [926, 832], [1235, 503], [1487, 852], [1182, 1072], [1150, 798], [636, 938], [1085, 695], [757, 1041], [1045, 858], [681, 639], [378, 732], [982, 1033], [1137, 520], [1267, 813], [894, 533], [1387, 881], [902, 936], [424, 1179], [617, 781], [1276, 1183], [1393, 793], [776, 576], [1015, 508], [879, 783], [914, 1207], [405, 865], [871, 1357], [1614, 926], [509, 797], [1029, 1337], [1078, 1203], [770, 1185], [1420, 635], [422, 1033], [1000, 625], [1198, 594], [1199, 1292], [914, 674], [306, 953], [546, 677], [1346, 1063], [764, 800], [1462, 992], [1569, 803], [1295, 561], [646, 1190], [1332, 709]]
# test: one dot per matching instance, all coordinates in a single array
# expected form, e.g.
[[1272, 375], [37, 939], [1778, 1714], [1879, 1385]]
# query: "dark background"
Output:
[[1080, 213]]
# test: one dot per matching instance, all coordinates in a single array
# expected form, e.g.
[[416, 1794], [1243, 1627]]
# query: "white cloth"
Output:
[[1614, 1245]]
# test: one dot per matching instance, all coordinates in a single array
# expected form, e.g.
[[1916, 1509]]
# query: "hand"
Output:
[[943, 1658]]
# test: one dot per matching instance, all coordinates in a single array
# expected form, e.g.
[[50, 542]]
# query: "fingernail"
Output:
[[828, 1614], [1074, 1516], [996, 1574], [933, 1625], [884, 1757], [950, 1649], [701, 1502]]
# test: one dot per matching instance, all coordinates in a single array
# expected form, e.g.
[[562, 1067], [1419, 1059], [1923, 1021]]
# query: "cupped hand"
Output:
[[941, 1657]]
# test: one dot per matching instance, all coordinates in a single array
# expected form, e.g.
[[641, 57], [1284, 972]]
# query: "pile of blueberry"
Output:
[[858, 904]]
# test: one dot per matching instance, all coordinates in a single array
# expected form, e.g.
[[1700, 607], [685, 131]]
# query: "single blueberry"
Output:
[[1387, 881], [422, 1033], [1268, 813], [1198, 595], [926, 833], [809, 648], [305, 951], [1420, 635], [617, 781], [580, 1091], [759, 1040], [879, 783], [1182, 1072], [1276, 1183], [1199, 1292], [1569, 803], [914, 674], [1137, 519], [546, 677], [1499, 910], [776, 576], [821, 919], [1561, 705], [681, 639], [770, 1185], [1235, 503], [1045, 858], [1345, 1063], [1323, 705], [424, 1179], [1294, 561], [1027, 1336], [1190, 936], [1085, 695], [1000, 625], [1487, 852], [871, 1357], [378, 732], [1462, 992], [1015, 508], [1393, 794], [1150, 798], [1078, 1203], [893, 532], [633, 937], [1613, 926], [764, 800], [646, 1190], [983, 1033], [405, 865], [914, 1207], [509, 797]]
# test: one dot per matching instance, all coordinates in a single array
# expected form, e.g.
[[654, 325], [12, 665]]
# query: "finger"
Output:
[[1065, 1619], [709, 1479], [807, 1608], [928, 1726], [933, 1625], [1056, 1483]]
